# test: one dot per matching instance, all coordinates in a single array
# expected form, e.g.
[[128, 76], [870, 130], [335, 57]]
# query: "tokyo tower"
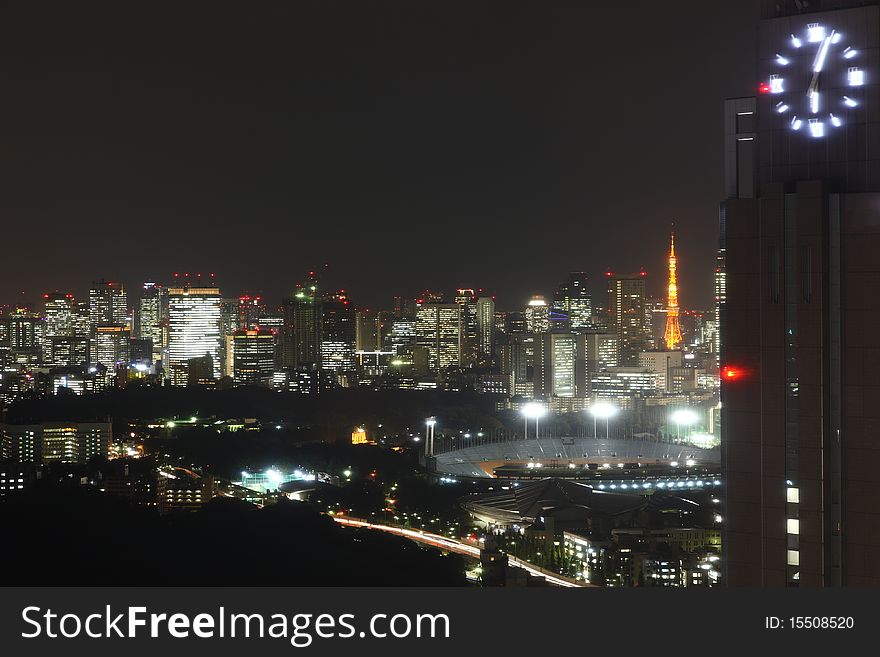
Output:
[[672, 336]]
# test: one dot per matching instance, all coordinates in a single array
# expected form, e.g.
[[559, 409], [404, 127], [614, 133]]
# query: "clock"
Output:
[[815, 80]]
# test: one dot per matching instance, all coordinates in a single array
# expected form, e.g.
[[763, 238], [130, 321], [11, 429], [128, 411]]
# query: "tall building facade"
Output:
[[59, 311], [574, 298], [193, 329], [338, 333], [626, 306], [486, 326], [151, 319], [560, 365], [439, 332], [799, 354], [253, 357], [108, 303], [301, 333]]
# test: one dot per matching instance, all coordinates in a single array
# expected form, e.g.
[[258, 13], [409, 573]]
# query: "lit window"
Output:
[[794, 558], [793, 526], [793, 495]]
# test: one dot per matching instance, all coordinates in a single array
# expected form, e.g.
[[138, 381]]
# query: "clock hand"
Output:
[[818, 65]]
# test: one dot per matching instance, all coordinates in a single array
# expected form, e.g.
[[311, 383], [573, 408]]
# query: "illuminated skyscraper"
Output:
[[59, 314], [470, 340], [560, 367], [672, 336], [574, 299], [151, 319], [338, 333], [108, 303], [302, 320], [439, 330], [537, 315], [112, 345], [626, 305], [193, 329], [251, 308], [253, 356], [486, 326]]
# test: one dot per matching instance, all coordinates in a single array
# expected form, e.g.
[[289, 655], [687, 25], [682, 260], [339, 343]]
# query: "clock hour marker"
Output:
[[817, 128], [781, 107], [855, 76], [835, 121], [849, 102], [815, 32], [849, 53], [782, 61], [796, 123], [775, 84], [795, 41]]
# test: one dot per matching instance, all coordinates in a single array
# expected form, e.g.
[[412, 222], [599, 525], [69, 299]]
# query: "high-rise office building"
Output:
[[470, 332], [626, 304], [516, 355], [302, 319], [799, 357], [574, 298], [112, 346], [251, 309], [59, 311], [193, 329], [338, 333], [253, 357], [108, 303], [25, 335], [151, 319], [369, 335], [439, 331], [486, 326], [537, 314], [560, 365]]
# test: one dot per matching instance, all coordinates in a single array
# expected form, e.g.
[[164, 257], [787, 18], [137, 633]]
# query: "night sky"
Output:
[[406, 144]]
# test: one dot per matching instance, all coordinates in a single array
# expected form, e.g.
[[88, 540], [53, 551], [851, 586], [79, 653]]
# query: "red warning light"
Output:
[[730, 373], [763, 88]]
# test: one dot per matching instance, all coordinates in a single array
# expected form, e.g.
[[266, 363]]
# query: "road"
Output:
[[459, 547]]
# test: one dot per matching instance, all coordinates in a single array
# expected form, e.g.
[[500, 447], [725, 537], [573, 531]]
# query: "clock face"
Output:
[[816, 79]]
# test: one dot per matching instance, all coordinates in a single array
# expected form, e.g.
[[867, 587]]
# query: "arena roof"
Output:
[[480, 460]]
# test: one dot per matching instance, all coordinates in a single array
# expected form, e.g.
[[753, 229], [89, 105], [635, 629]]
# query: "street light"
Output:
[[604, 411], [533, 410], [683, 416]]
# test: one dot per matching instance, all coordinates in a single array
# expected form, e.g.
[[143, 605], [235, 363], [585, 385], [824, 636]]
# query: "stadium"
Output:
[[581, 459]]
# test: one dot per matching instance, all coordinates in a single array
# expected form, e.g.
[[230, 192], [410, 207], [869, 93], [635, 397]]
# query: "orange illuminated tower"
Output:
[[672, 336]]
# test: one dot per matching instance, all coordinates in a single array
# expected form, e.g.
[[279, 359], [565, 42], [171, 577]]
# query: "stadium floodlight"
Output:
[[683, 417], [533, 411], [604, 411]]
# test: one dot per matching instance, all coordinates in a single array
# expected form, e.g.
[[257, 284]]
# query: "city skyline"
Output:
[[374, 145]]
